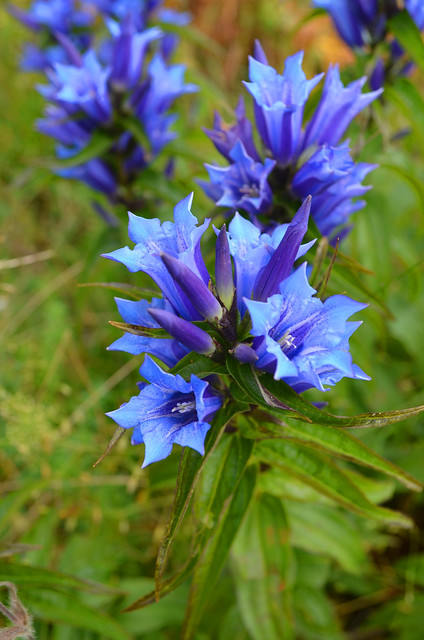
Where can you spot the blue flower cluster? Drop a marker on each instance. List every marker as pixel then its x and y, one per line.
pixel 74 20
pixel 363 24
pixel 125 104
pixel 298 159
pixel 257 309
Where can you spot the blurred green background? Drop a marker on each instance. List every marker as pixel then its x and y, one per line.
pixel 88 525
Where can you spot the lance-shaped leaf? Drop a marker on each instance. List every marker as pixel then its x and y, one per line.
pixel 262 568
pixel 99 144
pixel 322 474
pixel 409 36
pixel 267 392
pixel 214 555
pixel 332 440
pixel 198 364
pixel 190 468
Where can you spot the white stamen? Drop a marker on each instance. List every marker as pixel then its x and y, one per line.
pixel 184 407
pixel 287 340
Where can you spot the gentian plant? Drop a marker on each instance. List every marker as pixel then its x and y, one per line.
pixel 296 158
pixel 113 120
pixel 237 345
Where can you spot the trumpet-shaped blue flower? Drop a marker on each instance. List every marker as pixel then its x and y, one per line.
pixel 244 183
pixel 225 137
pixel 302 340
pixel 306 157
pixel 279 102
pixel 357 21
pixel 168 410
pixel 179 239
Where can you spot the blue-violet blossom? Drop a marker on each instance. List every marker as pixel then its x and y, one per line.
pixel 298 159
pixel 293 335
pixel 168 410
pixel 88 98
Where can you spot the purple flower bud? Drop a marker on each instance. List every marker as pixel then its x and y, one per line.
pixel 223 269
pixel 185 332
pixel 244 353
pixel 281 264
pixel 193 287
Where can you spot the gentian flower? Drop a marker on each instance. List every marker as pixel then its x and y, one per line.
pixel 244 182
pixel 89 98
pixel 52 18
pixel 302 340
pixel 168 410
pixel 362 24
pixel 301 158
pixel 293 335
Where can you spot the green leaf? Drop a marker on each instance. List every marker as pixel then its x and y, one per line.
pixel 98 145
pixel 407 33
pixel 406 97
pixel 64 608
pixel 198 364
pixel 335 441
pixel 38 577
pixel 272 394
pixel 192 464
pixel 213 556
pixel 262 567
pixel 322 474
pixel 248 380
pixel 220 475
pixel 321 529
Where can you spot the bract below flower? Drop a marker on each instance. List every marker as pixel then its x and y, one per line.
pixel 168 410
pixel 137 313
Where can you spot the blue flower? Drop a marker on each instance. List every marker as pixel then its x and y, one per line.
pixel 225 137
pixel 279 102
pixel 288 332
pixel 363 24
pixel 307 160
pixel 356 20
pixel 244 183
pixel 337 107
pixel 252 251
pixel 333 179
pixel 179 239
pixel 302 340
pixel 84 86
pixel 52 18
pixel 168 410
